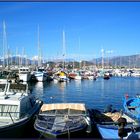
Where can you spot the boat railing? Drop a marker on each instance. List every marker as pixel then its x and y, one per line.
pixel 64 118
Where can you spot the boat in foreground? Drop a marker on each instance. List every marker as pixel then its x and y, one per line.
pixel 63 120
pixel 115 125
pixel 17 109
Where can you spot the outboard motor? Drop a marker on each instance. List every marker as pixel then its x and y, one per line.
pixel 122 132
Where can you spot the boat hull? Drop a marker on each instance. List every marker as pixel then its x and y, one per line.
pixel 41 78
pixel 22 128
pixel 72 134
pixel 25 77
pixel 63 120
pixel 108 132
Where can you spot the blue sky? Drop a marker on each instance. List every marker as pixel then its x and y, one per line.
pixel 89 27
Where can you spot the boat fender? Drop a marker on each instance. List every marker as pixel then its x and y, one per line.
pixel 126 96
pixel 87 120
pixel 89 128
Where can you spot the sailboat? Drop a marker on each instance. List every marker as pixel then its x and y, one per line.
pixel 61 76
pixel 40 73
pixel 77 72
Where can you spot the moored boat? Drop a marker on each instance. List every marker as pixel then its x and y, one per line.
pixel 106 76
pixel 63 120
pixel 132 106
pixel 60 76
pixel 40 75
pixel 116 125
pixel 24 74
pixel 17 109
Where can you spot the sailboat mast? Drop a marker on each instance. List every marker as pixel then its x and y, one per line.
pixel 64 49
pixel 17 56
pixel 102 51
pixel 4 44
pixel 39 51
pixel 79 53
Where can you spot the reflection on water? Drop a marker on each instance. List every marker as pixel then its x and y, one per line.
pixel 78 83
pixel 62 86
pixel 39 88
pixel 95 94
pixel 78 86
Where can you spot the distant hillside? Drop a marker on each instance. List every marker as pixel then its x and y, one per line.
pixel 129 61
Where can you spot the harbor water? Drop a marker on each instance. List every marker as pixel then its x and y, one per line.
pixel 95 94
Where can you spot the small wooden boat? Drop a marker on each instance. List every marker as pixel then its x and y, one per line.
pixel 115 125
pixel 132 107
pixel 17 109
pixel 63 120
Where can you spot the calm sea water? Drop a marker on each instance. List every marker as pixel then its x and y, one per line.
pixel 95 94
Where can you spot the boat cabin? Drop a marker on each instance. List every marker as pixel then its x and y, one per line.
pixel 24 70
pixel 14 102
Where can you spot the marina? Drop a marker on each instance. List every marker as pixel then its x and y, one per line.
pixel 66 103
pixel 70 70
pixel 96 94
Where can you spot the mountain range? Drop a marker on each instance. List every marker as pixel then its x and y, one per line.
pixel 123 61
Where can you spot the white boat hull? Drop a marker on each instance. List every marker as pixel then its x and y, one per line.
pixel 25 77
pixel 78 78
pixel 40 76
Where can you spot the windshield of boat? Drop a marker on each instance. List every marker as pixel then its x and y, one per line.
pixel 17 87
pixel 2 87
pixel 9 110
